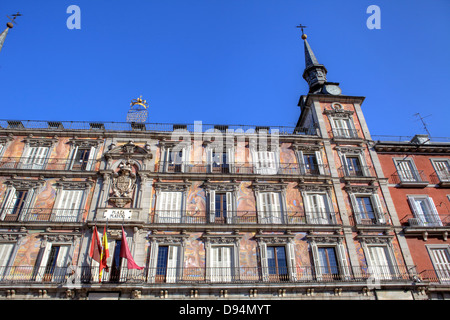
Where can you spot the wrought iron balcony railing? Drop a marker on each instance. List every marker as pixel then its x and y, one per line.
pixel 243 168
pixel 436 276
pixel 101 126
pixel 45 164
pixel 410 177
pixel 442 220
pixel 441 177
pixel 346 133
pixel 307 274
pixel 42 215
pixel 241 217
pixel 360 171
pixel 371 218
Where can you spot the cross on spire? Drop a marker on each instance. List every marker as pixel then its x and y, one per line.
pixel 301 27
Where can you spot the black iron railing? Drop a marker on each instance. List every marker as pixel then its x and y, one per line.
pixel 241 217
pixel 15 214
pixel 25 163
pixel 101 126
pixel 72 275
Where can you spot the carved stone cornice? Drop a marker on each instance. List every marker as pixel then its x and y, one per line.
pixel 374 239
pixel 270 238
pixel 85 143
pixel 349 150
pixel 325 238
pixel 298 146
pixel 313 187
pixel 12 236
pixel 222 238
pixel 172 186
pixel 220 186
pixel 268 186
pixel 73 184
pixel 168 238
pixel 40 142
pixel 360 188
pixel 24 184
pixel 128 150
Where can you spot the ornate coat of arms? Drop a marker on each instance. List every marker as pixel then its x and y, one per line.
pixel 124 183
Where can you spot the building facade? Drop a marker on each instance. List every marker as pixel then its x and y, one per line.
pixel 209 211
pixel 418 173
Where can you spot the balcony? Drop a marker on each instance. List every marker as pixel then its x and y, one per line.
pixel 441 178
pixel 371 219
pixel 39 215
pixel 410 178
pixel 243 169
pixel 356 173
pixel 242 217
pixel 427 225
pixel 200 275
pixel 30 125
pixel 436 276
pixel 345 133
pixel 22 163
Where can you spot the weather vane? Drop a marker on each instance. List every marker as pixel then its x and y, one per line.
pixel 302 27
pixel 12 20
pixel 138 110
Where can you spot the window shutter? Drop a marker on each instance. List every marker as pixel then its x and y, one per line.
pixel 307 207
pixel 291 258
pixel 264 264
pixel 379 209
pixel 275 209
pixel 230 159
pixel 172 264
pixel 209 159
pixel 152 262
pixel 436 218
pixel 317 264
pixel 72 157
pixel 301 162
pixel 5 257
pixel 320 163
pixel 417 213
pixel 356 209
pixel 9 202
pixel 262 207
pixel 230 209
pixel 27 204
pixel 343 261
pixel 91 160
pixel 212 206
pixel 43 262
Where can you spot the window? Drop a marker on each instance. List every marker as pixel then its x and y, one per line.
pixel 221 207
pixel 380 262
pixel 17 205
pixel 69 206
pixel 175 159
pixel 330 261
pixel 343 128
pixel 83 160
pixel 311 163
pixel 34 158
pixel 277 264
pixel 328 265
pixel 317 208
pixel 219 161
pixel 265 162
pixel 221 263
pixel 166 264
pixel 441 262
pixel 54 263
pixel 270 211
pixel 424 210
pixel 365 208
pixel 407 171
pixel 442 168
pixel 6 250
pixel 169 207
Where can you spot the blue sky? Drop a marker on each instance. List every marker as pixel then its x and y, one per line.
pixel 225 62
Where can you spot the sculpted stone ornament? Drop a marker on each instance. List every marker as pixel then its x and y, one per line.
pixel 124 183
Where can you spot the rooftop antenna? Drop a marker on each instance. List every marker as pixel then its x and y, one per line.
pixel 423 122
pixel 15 15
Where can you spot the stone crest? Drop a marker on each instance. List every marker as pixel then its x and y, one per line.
pixel 124 182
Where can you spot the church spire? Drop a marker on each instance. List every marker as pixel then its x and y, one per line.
pixel 9 25
pixel 315 73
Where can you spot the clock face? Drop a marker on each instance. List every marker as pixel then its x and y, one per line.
pixel 332 89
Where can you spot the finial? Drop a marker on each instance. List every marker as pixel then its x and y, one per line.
pixel 304 36
pixel 10 24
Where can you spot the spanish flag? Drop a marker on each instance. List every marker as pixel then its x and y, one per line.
pixel 104 255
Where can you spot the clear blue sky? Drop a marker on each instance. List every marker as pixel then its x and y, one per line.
pixel 225 61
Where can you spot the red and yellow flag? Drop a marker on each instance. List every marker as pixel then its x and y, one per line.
pixel 104 255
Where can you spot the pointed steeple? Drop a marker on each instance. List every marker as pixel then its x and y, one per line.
pixel 3 36
pixel 9 25
pixel 315 73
